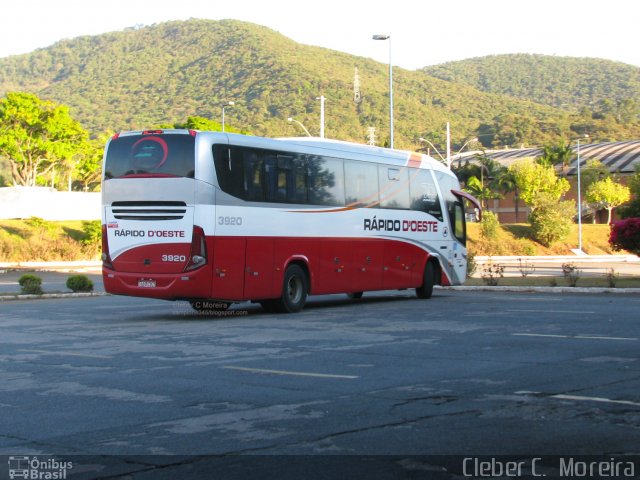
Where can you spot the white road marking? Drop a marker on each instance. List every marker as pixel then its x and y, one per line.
pixel 550 311
pixel 285 372
pixel 69 354
pixel 581 337
pixel 580 398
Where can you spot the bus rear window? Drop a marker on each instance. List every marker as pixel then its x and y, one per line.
pixel 169 155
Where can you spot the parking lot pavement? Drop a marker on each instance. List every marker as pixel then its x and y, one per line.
pixel 465 373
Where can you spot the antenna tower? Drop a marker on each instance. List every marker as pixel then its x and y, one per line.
pixel 372 136
pixel 356 87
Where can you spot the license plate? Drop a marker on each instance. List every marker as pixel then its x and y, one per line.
pixel 147 283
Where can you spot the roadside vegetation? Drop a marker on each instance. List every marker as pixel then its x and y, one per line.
pixel 40 240
pixel 518 240
pixel 36 240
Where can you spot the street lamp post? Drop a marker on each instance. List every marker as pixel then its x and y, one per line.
pixel 388 37
pixel 321 98
pixel 444 160
pixel 465 144
pixel 579 200
pixel 228 104
pixel 303 127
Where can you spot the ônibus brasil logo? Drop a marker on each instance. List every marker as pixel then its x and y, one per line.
pixel 38 469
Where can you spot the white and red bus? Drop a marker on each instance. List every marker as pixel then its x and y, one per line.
pixel 216 218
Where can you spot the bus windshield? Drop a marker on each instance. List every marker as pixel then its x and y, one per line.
pixel 150 155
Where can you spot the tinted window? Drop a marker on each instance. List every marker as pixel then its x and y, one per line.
pixel 394 187
pixel 455 208
pixel 458 225
pixel 361 183
pixel 151 155
pixel 424 196
pixel 325 180
pixel 258 175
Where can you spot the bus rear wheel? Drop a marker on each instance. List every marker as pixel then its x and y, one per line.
pixel 294 290
pixel 429 279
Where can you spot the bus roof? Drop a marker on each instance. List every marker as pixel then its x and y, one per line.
pixel 330 146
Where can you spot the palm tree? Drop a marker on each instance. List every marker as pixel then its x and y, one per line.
pixel 492 182
pixel 556 155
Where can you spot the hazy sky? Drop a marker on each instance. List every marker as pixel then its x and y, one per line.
pixel 424 32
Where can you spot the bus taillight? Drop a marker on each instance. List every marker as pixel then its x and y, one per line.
pixel 198 256
pixel 106 258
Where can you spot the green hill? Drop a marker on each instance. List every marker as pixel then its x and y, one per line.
pixel 565 82
pixel 161 74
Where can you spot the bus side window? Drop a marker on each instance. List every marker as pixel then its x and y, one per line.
pixel 361 183
pixel 424 196
pixel 253 176
pixel 228 163
pixel 394 187
pixel 459 227
pixel 325 180
pixel 285 177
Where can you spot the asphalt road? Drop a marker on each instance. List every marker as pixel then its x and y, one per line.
pixel 131 383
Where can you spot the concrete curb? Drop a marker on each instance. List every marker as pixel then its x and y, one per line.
pixel 559 258
pixel 499 288
pixel 44 296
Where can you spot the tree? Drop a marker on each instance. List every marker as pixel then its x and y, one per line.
pixel 607 194
pixel 201 123
pixel 485 180
pixel 534 179
pixel 625 235
pixel 87 163
pixel 556 155
pixel 551 219
pixel 36 135
pixel 632 209
pixel 593 171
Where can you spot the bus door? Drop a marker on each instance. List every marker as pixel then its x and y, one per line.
pixel 458 250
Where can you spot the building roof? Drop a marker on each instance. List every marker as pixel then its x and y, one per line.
pixel 619 157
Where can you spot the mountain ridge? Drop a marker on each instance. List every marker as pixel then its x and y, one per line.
pixel 163 73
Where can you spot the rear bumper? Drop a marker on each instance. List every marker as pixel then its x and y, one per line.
pixel 169 286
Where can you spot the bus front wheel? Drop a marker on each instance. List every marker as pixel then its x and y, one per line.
pixel 426 289
pixel 294 290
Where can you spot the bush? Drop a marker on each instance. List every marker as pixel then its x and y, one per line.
pixel 489 225
pixel 551 220
pixel 30 284
pixel 625 235
pixel 41 225
pixel 471 264
pixel 79 283
pixel 92 230
pixel 492 273
pixel 571 273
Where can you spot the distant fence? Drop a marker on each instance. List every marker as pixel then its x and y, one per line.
pixel 48 203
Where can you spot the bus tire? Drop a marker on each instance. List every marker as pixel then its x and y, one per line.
pixel 204 305
pixel 428 280
pixel 294 290
pixel 355 295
